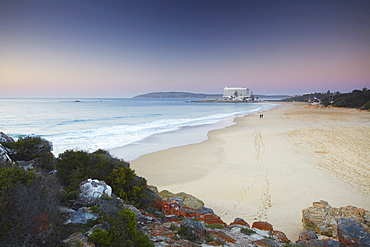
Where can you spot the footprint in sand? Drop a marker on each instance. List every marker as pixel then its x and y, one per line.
pixel 265 196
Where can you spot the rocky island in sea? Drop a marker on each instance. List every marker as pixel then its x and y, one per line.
pixel 49 201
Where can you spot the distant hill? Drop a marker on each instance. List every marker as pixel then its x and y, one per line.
pixel 186 95
pixel 178 95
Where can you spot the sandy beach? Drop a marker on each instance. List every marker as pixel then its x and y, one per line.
pixel 271 168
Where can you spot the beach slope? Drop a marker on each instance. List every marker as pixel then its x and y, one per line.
pixel 271 168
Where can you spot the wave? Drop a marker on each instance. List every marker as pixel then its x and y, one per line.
pixel 120 135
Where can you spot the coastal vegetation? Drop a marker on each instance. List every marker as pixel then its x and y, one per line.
pixel 30 198
pixel 356 99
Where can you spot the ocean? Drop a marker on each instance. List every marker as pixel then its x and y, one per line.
pixel 138 125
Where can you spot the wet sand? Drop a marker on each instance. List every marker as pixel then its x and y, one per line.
pixel 271 168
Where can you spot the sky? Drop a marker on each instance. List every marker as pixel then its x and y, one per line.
pixel 122 48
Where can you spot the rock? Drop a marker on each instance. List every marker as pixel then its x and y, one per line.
pixel 174 206
pixel 351 233
pixel 82 215
pixel 187 199
pixel 224 236
pixel 160 232
pixel 262 226
pixel 92 189
pixel 29 164
pixel 78 239
pixel 211 219
pixel 5 138
pixel 311 239
pixel 240 221
pixel 322 218
pixel 307 235
pixel 266 242
pixel 194 230
pixel 280 236
pixel 318 243
pixel 4 157
pixel 153 188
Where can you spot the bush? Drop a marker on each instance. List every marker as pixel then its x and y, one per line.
pixel 247 231
pixel 76 166
pixel 30 148
pixel 11 176
pixel 188 234
pixel 366 106
pixel 28 208
pixel 216 226
pixel 122 231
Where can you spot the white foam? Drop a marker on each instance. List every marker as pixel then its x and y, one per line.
pixel 112 137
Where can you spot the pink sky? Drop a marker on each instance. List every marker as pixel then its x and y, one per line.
pixel 96 49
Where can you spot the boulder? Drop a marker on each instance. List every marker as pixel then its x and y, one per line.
pixel 4 157
pixel 322 218
pixel 173 207
pixel 262 226
pixel 351 233
pixel 240 221
pixel 187 199
pixel 307 235
pixel 93 189
pixel 280 236
pixel 211 219
pixel 82 215
pixel 266 242
pixel 318 243
pixel 176 207
pixel 5 138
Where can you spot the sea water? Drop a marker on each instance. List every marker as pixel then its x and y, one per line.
pixel 138 125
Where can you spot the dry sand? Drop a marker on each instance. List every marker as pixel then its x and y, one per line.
pixel 270 169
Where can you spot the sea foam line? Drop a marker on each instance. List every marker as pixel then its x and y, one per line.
pixel 121 135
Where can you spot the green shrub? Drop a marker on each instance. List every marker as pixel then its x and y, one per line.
pixel 366 106
pixel 11 176
pixel 247 231
pixel 216 226
pixel 122 231
pixel 76 166
pixel 101 238
pixel 187 233
pixel 208 238
pixel 30 148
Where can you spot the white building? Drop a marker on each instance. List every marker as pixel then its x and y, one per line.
pixel 238 94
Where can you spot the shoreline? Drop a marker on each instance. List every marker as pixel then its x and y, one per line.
pixel 181 137
pixel 270 169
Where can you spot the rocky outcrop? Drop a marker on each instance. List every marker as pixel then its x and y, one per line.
pixel 322 218
pixel 308 239
pixel 5 138
pixel 4 157
pixel 93 189
pixel 82 216
pixel 351 233
pixel 187 199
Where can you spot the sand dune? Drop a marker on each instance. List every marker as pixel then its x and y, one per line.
pixel 273 167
